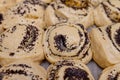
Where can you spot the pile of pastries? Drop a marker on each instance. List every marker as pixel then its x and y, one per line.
pixel 67 33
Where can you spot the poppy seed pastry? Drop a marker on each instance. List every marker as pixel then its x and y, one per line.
pixel 67 41
pixel 22 41
pixel 69 70
pixel 24 70
pixel 107 12
pixel 7 4
pixel 73 11
pixel 111 73
pixel 105 44
pixel 30 11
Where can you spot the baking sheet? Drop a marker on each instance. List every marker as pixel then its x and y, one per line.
pixel 95 69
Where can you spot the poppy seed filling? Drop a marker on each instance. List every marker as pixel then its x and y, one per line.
pixel 29 39
pixel 75 74
pixel 117 37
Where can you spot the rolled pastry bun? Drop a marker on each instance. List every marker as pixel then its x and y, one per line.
pixel 7 4
pixel 107 12
pixel 111 73
pixel 67 41
pixel 69 70
pixel 24 70
pixel 31 11
pixel 22 41
pixel 73 11
pixel 105 44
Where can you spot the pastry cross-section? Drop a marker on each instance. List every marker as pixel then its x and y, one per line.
pixel 21 41
pixel 24 70
pixel 67 41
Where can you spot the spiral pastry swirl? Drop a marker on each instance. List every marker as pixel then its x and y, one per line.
pixel 24 70
pixel 21 41
pixel 107 12
pixel 69 70
pixel 111 73
pixel 105 43
pixel 73 11
pixel 67 41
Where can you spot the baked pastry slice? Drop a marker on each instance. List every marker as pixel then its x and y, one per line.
pixel 111 73
pixel 30 11
pixel 73 11
pixel 69 70
pixel 24 70
pixel 107 12
pixel 105 44
pixel 67 41
pixel 22 41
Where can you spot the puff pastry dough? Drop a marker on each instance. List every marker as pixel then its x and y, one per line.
pixel 105 43
pixel 111 73
pixel 24 70
pixel 69 70
pixel 22 41
pixel 67 41
pixel 73 11
pixel 107 12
